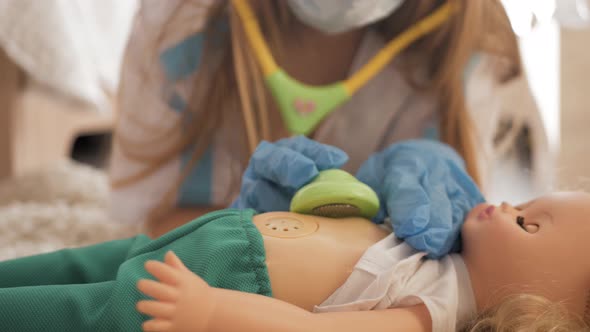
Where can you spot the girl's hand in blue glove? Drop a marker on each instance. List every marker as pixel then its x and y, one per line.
pixel 277 170
pixel 424 189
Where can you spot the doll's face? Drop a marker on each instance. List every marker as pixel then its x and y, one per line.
pixel 541 247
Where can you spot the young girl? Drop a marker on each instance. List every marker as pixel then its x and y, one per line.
pixel 193 102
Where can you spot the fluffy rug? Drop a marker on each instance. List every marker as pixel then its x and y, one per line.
pixel 65 206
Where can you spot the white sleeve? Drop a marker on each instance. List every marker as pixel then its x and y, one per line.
pixel 436 284
pixel 144 115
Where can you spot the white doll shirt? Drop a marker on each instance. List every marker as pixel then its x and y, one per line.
pixel 393 274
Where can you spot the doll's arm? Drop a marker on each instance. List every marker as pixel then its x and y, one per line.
pixel 184 302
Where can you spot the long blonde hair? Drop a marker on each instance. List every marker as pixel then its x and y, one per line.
pixel 527 313
pixel 230 81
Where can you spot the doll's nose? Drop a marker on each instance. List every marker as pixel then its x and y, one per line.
pixel 507 208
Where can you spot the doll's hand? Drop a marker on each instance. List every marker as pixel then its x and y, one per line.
pixel 182 300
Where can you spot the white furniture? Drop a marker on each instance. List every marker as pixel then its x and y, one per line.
pixel 59 71
pixel 38 126
pixel 540 48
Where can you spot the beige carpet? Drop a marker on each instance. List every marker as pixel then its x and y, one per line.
pixel 65 206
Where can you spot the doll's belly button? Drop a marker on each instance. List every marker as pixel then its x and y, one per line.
pixel 286 227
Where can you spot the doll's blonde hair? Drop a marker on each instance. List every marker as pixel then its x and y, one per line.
pixel 528 313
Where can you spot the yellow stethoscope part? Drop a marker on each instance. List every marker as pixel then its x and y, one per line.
pixel 395 46
pixel 303 106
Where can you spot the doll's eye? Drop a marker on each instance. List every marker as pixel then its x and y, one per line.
pixel 530 228
pixel 520 221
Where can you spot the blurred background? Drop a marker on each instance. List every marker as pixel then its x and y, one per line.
pixel 554 36
pixel 59 73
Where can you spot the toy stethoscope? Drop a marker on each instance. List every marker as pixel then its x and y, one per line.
pixel 303 106
pixel 334 193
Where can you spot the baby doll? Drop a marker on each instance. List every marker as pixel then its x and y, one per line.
pixel 267 272
pixel 246 272
pixel 420 179
pixel 538 248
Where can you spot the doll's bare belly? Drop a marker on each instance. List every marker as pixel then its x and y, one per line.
pixel 309 257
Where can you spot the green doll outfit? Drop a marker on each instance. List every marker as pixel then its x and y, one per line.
pixel 94 288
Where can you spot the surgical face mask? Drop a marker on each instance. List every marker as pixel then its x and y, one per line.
pixel 336 16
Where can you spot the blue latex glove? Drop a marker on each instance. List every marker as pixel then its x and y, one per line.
pixel 423 187
pixel 277 170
